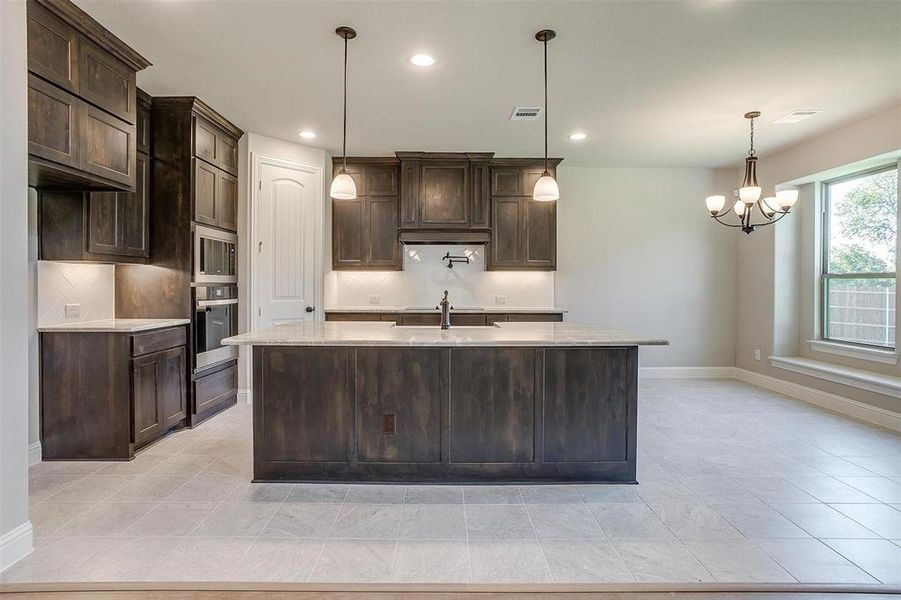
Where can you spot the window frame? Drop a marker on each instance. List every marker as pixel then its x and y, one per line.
pixel 826 276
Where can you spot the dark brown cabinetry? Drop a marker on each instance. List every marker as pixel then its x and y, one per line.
pixel 364 230
pixel 82 101
pixel 103 395
pixel 442 197
pixel 523 231
pixel 98 226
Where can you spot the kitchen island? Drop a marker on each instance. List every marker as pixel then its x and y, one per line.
pixel 349 401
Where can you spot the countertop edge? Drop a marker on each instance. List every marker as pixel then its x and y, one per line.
pixel 86 327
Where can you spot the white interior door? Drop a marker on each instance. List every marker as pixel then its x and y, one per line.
pixel 289 226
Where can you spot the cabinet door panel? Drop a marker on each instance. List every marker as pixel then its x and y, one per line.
pixel 347 233
pixel 398 403
pixel 505 248
pixel 173 403
pixel 205 140
pixel 105 81
pixel 380 181
pixel 148 420
pixel 142 130
pixel 540 249
pixel 481 195
pixel 136 212
pixel 52 123
pixel 409 194
pixel 52 47
pixel 104 223
pixel 227 152
pixel 205 191
pixel 586 405
pixel 108 146
pixel 227 201
pixel 382 248
pixel 444 195
pixel 506 182
pixel 492 412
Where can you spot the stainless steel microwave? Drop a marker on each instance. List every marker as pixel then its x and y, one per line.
pixel 215 255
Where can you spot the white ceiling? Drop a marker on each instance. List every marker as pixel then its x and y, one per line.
pixel 651 83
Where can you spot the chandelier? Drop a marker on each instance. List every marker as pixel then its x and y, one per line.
pixel 771 208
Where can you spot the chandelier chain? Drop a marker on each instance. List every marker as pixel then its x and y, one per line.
pixel 751 150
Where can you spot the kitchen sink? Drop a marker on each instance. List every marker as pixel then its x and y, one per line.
pixel 452 327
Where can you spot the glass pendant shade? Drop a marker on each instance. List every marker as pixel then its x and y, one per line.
pixel 739 208
pixel 750 194
pixel 546 189
pixel 343 187
pixel 715 204
pixel 769 206
pixel 786 198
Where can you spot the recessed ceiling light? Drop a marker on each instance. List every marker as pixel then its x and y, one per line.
pixel 423 60
pixel 578 136
pixel 308 135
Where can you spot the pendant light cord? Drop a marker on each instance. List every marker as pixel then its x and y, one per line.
pixel 344 140
pixel 751 151
pixel 545 107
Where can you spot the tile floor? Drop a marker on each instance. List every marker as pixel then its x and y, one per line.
pixel 737 484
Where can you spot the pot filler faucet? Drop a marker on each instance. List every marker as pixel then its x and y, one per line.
pixel 445 307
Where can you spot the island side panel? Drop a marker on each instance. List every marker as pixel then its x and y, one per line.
pixel 590 413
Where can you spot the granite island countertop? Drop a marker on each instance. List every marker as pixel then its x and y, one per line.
pixel 377 308
pixel 112 325
pixel 350 333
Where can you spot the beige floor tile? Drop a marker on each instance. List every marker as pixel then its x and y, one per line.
pixel 93 488
pixel 433 522
pixel 431 561
pixel 491 494
pixel 881 488
pixel 128 559
pixel 694 521
pixel 315 492
pixel 375 494
pixel 629 520
pixel 176 518
pixel 278 560
pixel 879 558
pixel 47 517
pixel 55 560
pixel 508 561
pixel 563 521
pixel 205 488
pixel 368 521
pixel 584 561
pixel 302 520
pixel 811 561
pixel 236 519
pixel 661 560
pixel 106 519
pixel 355 561
pixel 434 494
pixel 822 521
pixel 150 488
pixel 497 522
pixel 737 560
pixel 203 559
pixel 881 519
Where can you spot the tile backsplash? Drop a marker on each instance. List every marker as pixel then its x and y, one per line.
pixel 92 286
pixel 426 276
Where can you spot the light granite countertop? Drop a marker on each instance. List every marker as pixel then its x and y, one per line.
pixel 349 333
pixel 376 308
pixel 112 325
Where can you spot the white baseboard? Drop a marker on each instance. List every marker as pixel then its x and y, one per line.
pixel 34 453
pixel 245 396
pixel 15 545
pixel 840 404
pixel 686 372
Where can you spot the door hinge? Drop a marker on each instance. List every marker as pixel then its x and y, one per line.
pixel 260 247
pixel 260 311
pixel 261 184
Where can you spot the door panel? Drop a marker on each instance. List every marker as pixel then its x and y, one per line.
pixel 104 224
pixel 205 140
pixel 105 81
pixel 53 121
pixel 492 413
pixel 205 191
pixel 173 403
pixel 444 194
pixel 289 224
pixel 347 233
pixel 136 212
pixel 505 248
pixel 52 47
pixel 541 234
pixel 148 421
pixel 382 248
pixel 108 146
pixel 227 201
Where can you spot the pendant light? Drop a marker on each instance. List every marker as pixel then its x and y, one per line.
pixel 546 189
pixel 343 186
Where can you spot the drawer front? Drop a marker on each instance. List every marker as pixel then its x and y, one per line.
pixel 467 319
pixel 345 316
pixel 209 390
pixel 534 317
pixel 420 319
pixel 154 341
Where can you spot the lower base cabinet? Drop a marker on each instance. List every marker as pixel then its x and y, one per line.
pixel 214 390
pixel 104 395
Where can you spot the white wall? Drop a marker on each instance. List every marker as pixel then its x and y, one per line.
pixel 426 276
pixel 249 146
pixel 637 250
pixel 15 528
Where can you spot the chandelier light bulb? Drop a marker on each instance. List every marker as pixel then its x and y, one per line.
pixel 739 208
pixel 715 204
pixel 787 198
pixel 768 206
pixel 750 194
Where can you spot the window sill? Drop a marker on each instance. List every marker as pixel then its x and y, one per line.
pixel 855 378
pixel 886 357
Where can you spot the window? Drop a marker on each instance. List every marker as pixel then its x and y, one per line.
pixel 859 234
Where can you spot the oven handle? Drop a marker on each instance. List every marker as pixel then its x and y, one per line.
pixel 203 303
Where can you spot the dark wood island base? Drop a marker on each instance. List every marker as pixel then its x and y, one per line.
pixel 445 414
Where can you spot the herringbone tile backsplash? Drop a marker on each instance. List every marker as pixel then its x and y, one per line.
pixel 91 285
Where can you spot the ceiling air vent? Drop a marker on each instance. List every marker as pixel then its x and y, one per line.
pixel 526 113
pixel 796 117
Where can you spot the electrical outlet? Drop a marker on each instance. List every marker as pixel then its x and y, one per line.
pixel 375 299
pixel 73 311
pixel 500 299
pixel 756 353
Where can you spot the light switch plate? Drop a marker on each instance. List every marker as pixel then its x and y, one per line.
pixel 756 353
pixel 375 299
pixel 73 311
pixel 500 299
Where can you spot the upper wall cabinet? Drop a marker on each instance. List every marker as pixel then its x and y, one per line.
pixel 82 101
pixel 364 230
pixel 197 152
pixel 443 197
pixel 523 231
